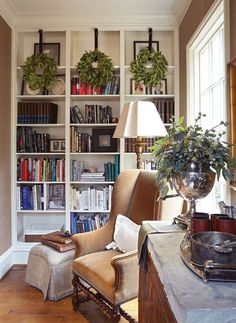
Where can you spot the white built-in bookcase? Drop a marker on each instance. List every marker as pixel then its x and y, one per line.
pixel 118 44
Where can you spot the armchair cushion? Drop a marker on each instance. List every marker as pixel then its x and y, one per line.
pixel 107 272
pixel 96 269
pixel 125 234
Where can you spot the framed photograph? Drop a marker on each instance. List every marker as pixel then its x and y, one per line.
pixel 52 49
pixel 162 89
pixel 137 88
pixel 139 44
pixel 103 141
pixel 57 145
pixel 59 87
pixel 56 198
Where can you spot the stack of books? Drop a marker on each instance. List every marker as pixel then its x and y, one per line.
pixel 58 240
pixel 92 177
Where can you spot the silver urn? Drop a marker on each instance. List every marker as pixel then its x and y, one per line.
pixel 194 184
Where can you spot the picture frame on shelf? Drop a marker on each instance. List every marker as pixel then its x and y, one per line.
pixel 139 44
pixel 52 49
pixel 59 86
pixel 137 88
pixel 158 90
pixel 56 199
pixel 57 145
pixel 27 90
pixel 103 141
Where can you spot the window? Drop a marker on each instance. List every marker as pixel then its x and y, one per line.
pixel 207 88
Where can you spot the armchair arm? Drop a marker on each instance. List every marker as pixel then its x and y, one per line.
pixel 126 275
pixel 93 241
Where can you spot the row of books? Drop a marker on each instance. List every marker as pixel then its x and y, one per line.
pixel 147 142
pixel 91 113
pixel 166 108
pixel 112 87
pixel 112 170
pixel 34 197
pixel 110 173
pixel 30 197
pixel 85 223
pixel 29 141
pixel 37 112
pixel 91 198
pixel 80 141
pixel 41 169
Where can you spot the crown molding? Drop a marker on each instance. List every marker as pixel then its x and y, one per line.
pixel 73 21
pixel 180 8
pixel 8 12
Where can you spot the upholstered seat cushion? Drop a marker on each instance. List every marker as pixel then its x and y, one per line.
pixel 96 269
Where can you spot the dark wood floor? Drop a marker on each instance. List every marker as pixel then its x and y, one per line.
pixel 21 303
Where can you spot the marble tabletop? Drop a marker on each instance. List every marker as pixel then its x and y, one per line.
pixel 191 300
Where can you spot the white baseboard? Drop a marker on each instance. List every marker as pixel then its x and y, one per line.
pixel 6 261
pixel 17 255
pixel 21 252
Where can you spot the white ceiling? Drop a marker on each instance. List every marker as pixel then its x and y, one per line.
pixel 70 10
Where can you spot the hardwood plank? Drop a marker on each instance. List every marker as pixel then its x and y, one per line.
pixel 22 303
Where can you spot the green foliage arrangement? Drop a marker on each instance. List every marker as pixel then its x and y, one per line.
pixel 149 75
pixel 39 71
pixel 184 145
pixel 95 68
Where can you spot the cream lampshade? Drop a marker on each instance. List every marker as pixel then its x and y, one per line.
pixel 139 119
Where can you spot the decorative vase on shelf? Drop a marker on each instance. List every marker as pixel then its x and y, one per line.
pixel 194 184
pixel 31 91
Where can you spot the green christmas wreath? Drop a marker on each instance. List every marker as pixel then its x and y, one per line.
pixel 95 68
pixel 39 71
pixel 150 75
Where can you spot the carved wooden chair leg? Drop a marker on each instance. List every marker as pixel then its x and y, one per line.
pixel 76 299
pixel 127 316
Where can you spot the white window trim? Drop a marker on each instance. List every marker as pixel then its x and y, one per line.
pixel 215 19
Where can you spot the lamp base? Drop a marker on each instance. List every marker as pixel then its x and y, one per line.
pixel 139 151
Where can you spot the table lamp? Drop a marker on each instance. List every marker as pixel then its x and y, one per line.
pixel 139 119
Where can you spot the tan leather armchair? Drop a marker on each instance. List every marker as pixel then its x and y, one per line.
pixel 113 275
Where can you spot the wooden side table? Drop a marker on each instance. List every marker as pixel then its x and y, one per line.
pixel 170 292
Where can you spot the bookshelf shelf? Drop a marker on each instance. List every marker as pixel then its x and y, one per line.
pixel 41 211
pixel 97 154
pixel 92 183
pixel 111 97
pixel 94 125
pixel 118 44
pixel 41 154
pixel 41 97
pixel 90 211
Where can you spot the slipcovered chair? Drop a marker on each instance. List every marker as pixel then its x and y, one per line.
pixel 113 274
